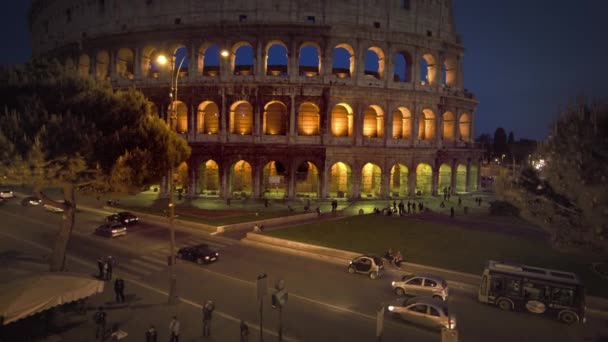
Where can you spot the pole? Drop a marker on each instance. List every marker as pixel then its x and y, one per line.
pixel 280 323
pixel 262 320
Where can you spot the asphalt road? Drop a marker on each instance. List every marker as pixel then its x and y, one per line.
pixel 325 302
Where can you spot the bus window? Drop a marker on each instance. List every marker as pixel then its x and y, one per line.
pixel 562 296
pixel 514 287
pixel 497 285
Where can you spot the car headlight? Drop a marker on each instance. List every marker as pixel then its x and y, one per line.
pixel 393 283
pixel 451 323
pixel 391 308
pixel 206 258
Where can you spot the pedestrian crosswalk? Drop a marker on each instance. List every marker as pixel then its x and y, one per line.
pixel 156 260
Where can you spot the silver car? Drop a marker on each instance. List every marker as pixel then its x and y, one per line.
pixel 111 229
pixel 425 311
pixel 366 264
pixel 422 284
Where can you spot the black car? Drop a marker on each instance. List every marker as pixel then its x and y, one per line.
pixel 367 264
pixel 31 200
pixel 123 217
pixel 201 254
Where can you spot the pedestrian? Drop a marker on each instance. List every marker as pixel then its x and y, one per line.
pixel 119 289
pixel 244 332
pixel 442 205
pixel 420 206
pixel 401 208
pixel 151 334
pixel 105 270
pixel 398 259
pixel 174 329
pixel 452 212
pixel 207 315
pixel 459 201
pixel 480 201
pixel 409 207
pixel 99 317
pixel 394 205
pixel 110 263
pixel 100 266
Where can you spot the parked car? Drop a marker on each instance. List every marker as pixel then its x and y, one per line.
pixel 111 229
pixel 425 311
pixel 367 264
pixel 201 254
pixel 123 217
pixel 6 193
pixel 422 284
pixel 52 208
pixel 31 201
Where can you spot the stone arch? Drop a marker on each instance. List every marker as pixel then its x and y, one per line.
pixel 309 119
pixel 464 126
pixel 424 179
pixel 399 180
pixel 274 180
pixel 208 118
pixel 180 59
pixel 242 54
pixel 426 125
pixel 209 178
pixel 461 178
pixel 149 63
pixel 102 65
pixel 403 67
pixel 125 63
pixel 445 177
pixel 428 69
pixel 241 179
pixel 84 65
pixel 181 116
pixel 340 180
pixel 374 62
pixel 472 175
pixel 373 122
pixel 449 123
pixel 276 58
pixel 371 179
pixel 343 64
pixel 402 123
pixel 208 60
pixel 450 71
pixel 275 121
pixel 307 180
pixel 241 118
pixel 309 61
pixel 342 120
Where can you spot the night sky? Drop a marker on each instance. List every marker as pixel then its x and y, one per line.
pixel 524 59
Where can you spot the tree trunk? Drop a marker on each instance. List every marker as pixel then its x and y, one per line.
pixel 57 259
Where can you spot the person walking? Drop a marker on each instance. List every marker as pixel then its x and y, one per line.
pixel 174 329
pixel 100 266
pixel 244 332
pixel 207 315
pixel 452 212
pixel 110 263
pixel 99 317
pixel 151 334
pixel 119 289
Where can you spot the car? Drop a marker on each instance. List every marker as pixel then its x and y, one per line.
pixel 422 284
pixel 53 208
pixel 367 264
pixel 425 311
pixel 31 201
pixel 6 193
pixel 201 254
pixel 112 229
pixel 123 217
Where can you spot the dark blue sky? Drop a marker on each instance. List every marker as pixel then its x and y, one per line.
pixel 524 59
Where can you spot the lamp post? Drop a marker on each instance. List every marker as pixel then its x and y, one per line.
pixel 162 60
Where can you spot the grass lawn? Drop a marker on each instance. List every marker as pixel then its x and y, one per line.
pixel 442 245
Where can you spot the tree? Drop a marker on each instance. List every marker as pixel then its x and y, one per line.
pixel 499 146
pixel 569 196
pixel 511 139
pixel 58 129
pixel 486 142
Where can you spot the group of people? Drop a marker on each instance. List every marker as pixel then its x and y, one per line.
pixel 395 259
pixel 105 266
pixel 400 208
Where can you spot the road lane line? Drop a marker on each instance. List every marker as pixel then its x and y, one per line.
pixel 134 268
pixel 146 265
pixel 159 261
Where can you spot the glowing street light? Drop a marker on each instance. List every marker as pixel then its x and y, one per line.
pixel 225 53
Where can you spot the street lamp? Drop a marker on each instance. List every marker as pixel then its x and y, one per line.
pixel 163 60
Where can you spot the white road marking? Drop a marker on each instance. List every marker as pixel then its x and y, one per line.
pixel 146 265
pixel 159 261
pixel 134 268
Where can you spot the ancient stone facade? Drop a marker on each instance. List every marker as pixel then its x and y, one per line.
pixel 392 120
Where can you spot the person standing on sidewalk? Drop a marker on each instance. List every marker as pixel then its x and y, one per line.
pixel 244 332
pixel 151 334
pixel 100 323
pixel 119 289
pixel 110 263
pixel 174 329
pixel 207 315
pixel 100 266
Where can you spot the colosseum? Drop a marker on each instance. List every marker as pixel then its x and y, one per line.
pixel 287 98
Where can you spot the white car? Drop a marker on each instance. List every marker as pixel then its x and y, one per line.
pixel 425 311
pixel 52 208
pixel 421 284
pixel 6 194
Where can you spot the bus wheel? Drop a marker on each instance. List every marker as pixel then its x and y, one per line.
pixel 505 304
pixel 568 317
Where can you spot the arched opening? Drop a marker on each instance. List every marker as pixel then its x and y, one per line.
pixel 403 67
pixel 274 180
pixel 208 118
pixel 307 180
pixel 399 180
pixel 449 72
pixel 180 60
pixel 374 62
pixel 461 178
pixel 149 62
pixel 181 177
pixel 445 177
pixel 342 121
pixel 426 125
pixel 241 179
pixel 102 65
pixel 209 178
pixel 125 63
pixel 428 69
pixel 209 60
pixel 449 124
pixel 339 180
pixel 424 179
pixel 276 59
pixel 181 116
pixel 275 119
pixel 309 119
pixel 343 64
pixel 373 122
pixel 371 176
pixel 473 177
pixel 84 66
pixel 241 118
pixel 464 124
pixel 242 59
pixel 309 62
pixel 402 123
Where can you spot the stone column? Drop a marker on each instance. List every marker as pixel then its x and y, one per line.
pixel 193 71
pixel 388 123
pixel 468 179
pixel 411 180
pixel 137 75
pixel 439 74
pixel 453 176
pixel 435 179
pixel 355 182
pixel 224 180
pixel 193 178
pixel 259 67
pixel 324 177
pixel 291 182
pixel 358 124
pixel 415 119
pixel 478 175
pixel 292 59
pixel 257 179
pixel 389 67
pixel 292 117
pixel 385 185
pixel 112 68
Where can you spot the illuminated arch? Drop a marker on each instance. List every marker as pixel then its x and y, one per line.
pixel 473 177
pixel 426 125
pixel 209 178
pixel 373 122
pixel 371 176
pixel 464 125
pixel 309 61
pixel 84 66
pixel 445 177
pixel 241 118
pixel 149 64
pixel 276 58
pixel 402 123
pixel 461 178
pixel 275 120
pixel 309 119
pixel 343 68
pixel 340 180
pixel 125 63
pixel 102 65
pixel 375 60
pixel 181 116
pixel 274 180
pixel 399 180
pixel 449 124
pixel 208 118
pixel 450 71
pixel 424 179
pixel 428 69
pixel 241 179
pixel 403 67
pixel 342 120
pixel 208 60
pixel 241 56
pixel 307 180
